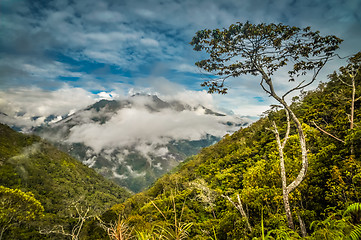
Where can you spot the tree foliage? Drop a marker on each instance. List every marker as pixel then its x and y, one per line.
pixel 16 207
pixel 262 49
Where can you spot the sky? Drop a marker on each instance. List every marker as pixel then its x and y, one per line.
pixel 58 56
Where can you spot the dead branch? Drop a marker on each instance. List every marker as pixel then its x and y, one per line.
pixel 300 86
pixel 239 207
pixel 329 134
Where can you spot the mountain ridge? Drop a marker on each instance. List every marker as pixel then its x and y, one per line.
pixel 146 136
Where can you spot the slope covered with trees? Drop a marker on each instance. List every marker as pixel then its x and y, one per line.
pixel 34 172
pixel 206 195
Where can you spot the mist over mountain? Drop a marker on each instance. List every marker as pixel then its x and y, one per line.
pixel 134 141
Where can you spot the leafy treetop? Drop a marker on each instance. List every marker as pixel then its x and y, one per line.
pixel 353 67
pixel 17 206
pixel 262 49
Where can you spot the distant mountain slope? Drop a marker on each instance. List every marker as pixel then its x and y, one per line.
pixel 136 140
pixel 57 180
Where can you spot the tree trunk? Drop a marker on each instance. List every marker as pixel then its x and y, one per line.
pixel 352 112
pixel 302 139
pixel 302 225
pixel 287 209
pixel 243 213
pixel 285 192
pixel 239 207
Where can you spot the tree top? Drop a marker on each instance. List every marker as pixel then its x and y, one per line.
pixel 261 49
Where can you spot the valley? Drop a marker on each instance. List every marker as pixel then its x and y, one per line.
pixel 137 140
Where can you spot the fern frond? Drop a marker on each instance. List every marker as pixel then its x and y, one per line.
pixel 356 233
pixel 353 208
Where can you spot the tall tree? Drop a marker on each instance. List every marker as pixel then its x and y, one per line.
pixel 16 207
pixel 263 50
pixel 349 75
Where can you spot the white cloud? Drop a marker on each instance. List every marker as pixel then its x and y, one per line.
pixel 145 13
pixel 50 70
pixel 108 95
pixel 139 126
pixel 187 68
pixel 160 85
pixel 105 16
pixel 149 42
pixel 193 98
pixel 251 110
pixel 23 104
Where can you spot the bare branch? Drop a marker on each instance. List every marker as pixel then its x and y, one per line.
pixel 285 192
pixel 239 207
pixel 288 129
pixel 300 86
pixel 350 85
pixel 327 132
pixel 75 231
pixel 294 89
pixel 264 87
pixel 58 229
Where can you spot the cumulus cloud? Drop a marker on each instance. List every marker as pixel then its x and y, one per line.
pixel 135 125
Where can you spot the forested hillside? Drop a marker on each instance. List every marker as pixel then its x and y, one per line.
pixel 45 190
pixel 201 197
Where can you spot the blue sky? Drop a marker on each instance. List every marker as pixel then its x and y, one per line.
pixel 58 56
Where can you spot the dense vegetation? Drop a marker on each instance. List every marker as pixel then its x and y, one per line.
pixel 246 164
pixel 42 178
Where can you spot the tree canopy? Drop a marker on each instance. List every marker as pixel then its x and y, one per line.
pixel 17 206
pixel 262 49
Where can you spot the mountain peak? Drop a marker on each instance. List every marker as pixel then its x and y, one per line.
pixel 133 141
